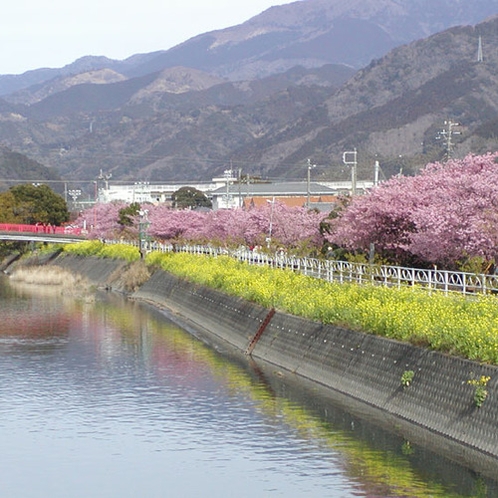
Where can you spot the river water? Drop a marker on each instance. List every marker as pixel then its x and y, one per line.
pixel 107 398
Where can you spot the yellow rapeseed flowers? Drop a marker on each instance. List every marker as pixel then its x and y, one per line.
pixel 456 324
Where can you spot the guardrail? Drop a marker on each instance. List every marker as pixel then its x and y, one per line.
pixel 330 270
pixel 48 229
pixel 343 271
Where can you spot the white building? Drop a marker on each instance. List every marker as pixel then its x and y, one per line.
pixel 225 192
pixel 142 192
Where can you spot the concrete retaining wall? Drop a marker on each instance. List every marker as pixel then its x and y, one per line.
pixel 99 271
pixel 231 319
pixel 365 367
pixel 369 368
pixel 362 366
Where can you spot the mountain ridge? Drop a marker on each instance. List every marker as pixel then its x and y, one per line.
pixel 186 122
pixel 282 37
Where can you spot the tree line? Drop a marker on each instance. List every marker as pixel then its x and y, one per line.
pixel 445 216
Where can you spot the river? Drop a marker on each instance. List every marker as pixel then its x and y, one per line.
pixel 107 398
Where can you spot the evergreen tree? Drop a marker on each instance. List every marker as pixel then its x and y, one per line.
pixel 31 204
pixel 189 198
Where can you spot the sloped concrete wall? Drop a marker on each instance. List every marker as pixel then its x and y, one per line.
pixel 369 368
pixel 100 271
pixel 229 318
pixel 364 367
pixel 359 365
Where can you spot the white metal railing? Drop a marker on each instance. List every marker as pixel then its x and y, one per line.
pixel 343 271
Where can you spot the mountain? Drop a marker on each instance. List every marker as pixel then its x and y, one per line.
pixel 16 168
pixel 308 33
pixel 312 33
pixel 158 121
pixel 142 120
pixel 397 109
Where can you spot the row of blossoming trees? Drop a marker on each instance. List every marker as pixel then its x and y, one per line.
pixel 446 216
pixel 293 228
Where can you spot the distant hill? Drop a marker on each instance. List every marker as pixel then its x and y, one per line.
pixel 136 124
pixel 395 109
pixel 312 33
pixel 17 168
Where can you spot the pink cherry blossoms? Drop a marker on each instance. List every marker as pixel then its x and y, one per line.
pixel 288 227
pixel 443 216
pixel 101 220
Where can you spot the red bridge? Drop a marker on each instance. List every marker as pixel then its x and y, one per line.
pixel 41 233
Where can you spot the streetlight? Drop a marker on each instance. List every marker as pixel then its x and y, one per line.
pixel 105 179
pixel 74 194
pixel 142 227
pixel 310 166
pixel 268 239
pixel 349 159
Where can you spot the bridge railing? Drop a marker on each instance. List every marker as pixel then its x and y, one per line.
pixel 20 228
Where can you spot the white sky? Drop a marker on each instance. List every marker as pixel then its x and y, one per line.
pixel 53 33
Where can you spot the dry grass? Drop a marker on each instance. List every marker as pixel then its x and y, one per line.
pixel 135 275
pixel 52 276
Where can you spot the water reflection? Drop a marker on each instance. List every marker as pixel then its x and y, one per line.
pixel 109 399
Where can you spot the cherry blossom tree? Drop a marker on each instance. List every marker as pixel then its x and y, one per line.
pixel 102 220
pixel 169 224
pixel 296 228
pixel 444 216
pixel 291 227
pixel 226 226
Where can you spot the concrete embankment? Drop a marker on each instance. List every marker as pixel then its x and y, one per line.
pixel 364 367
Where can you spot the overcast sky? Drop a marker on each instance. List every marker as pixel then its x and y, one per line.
pixel 53 33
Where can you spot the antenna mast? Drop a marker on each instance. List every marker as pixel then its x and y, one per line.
pixel 480 57
pixel 448 134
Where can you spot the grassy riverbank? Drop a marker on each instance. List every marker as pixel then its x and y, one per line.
pixel 458 325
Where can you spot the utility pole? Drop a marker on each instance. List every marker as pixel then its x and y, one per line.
pixel 376 173
pixel 448 134
pixel 227 197
pixel 310 166
pixel 268 239
pixel 371 252
pixel 240 186
pixel 349 158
